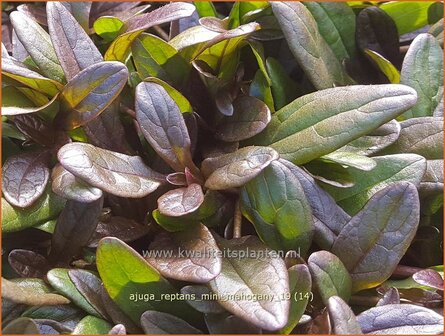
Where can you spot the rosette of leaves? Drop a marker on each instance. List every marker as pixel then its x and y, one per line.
pixel 222 168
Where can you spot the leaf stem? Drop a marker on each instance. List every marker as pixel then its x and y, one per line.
pixel 237 218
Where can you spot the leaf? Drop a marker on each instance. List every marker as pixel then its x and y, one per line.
pixel 119 49
pixel 38 44
pixel 74 228
pixel 422 70
pixel 373 242
pixel 199 295
pixel 391 297
pixel 274 201
pixel 328 217
pixel 336 24
pixel 182 102
pixel 376 31
pixel 163 125
pixel 103 169
pixel 312 52
pixel 264 278
pixel 17 110
pixel 408 16
pixel 118 329
pixel 389 169
pixel 351 160
pixel 35 128
pixel 91 325
pixel 261 90
pixel 205 8
pixel 24 178
pixel 21 326
pixel 74 49
pixel 400 319
pixel 330 173
pixel 423 136
pixel 432 181
pixel 153 57
pixel 125 229
pixel 300 284
pixel 28 264
pixel 91 91
pixel 181 201
pixel 108 27
pixel 229 324
pixel 312 126
pixel 385 66
pixel 154 322
pixel 81 12
pixel 128 279
pixel 329 276
pixel 46 208
pixel 430 278
pixel 190 255
pixel 29 296
pixel 250 117
pixel 342 317
pixel 72 188
pixel 236 169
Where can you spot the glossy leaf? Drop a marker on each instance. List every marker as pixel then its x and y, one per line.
pixel 38 44
pixel 308 46
pixel 118 329
pixel 28 264
pixel 91 91
pixel 154 322
pixel 391 296
pixel 24 178
pixel 181 201
pixel 306 129
pixel 91 325
pixel 72 188
pixel 15 110
pixel 422 69
pixel 342 317
pixel 193 255
pixel 103 169
pixel 284 88
pixel 330 173
pixel 408 16
pixel 163 125
pixel 241 275
pixel 274 201
pixel 108 27
pixel 36 129
pixel 199 301
pixel 432 181
pixel 21 326
pixel 182 102
pixel 329 276
pixel 400 319
pixel 383 231
pixel 385 66
pixel 250 117
pixel 351 160
pixel 235 169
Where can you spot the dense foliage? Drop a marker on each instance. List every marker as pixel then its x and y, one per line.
pixel 244 167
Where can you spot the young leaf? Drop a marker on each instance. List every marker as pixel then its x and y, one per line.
pixel 373 242
pixel 400 319
pixel 329 275
pixel 38 44
pixel 91 325
pixel 91 91
pixel 181 201
pixel 25 177
pixel 342 317
pixel 235 169
pixel 422 69
pixel 108 27
pixel 262 277
pixel 274 201
pixel 163 125
pixel 103 169
pixel 195 255
pixel 385 66
pixel 307 45
pixel 154 322
pixel 312 126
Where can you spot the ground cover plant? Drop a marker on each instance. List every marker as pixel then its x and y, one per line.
pixel 222 168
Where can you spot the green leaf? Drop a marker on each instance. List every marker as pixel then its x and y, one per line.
pixel 235 169
pixel 319 123
pixel 120 48
pixel 46 208
pixel 274 201
pixel 385 66
pixel 330 173
pixel 199 261
pixel 373 242
pixel 91 325
pixel 103 169
pixel 329 276
pixel 21 326
pixel 389 169
pixel 423 136
pixel 74 49
pixel 250 117
pixel 108 27
pixel 127 276
pixel 91 91
pixel 154 322
pixel 408 16
pixel 153 57
pixel 422 69
pixel 38 44
pixel 312 52
pixel 261 90
pixel 205 8
pixel 241 275
pixel 336 23
pixel 342 317
pixel 300 284
pixel 351 160
pixel 14 110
